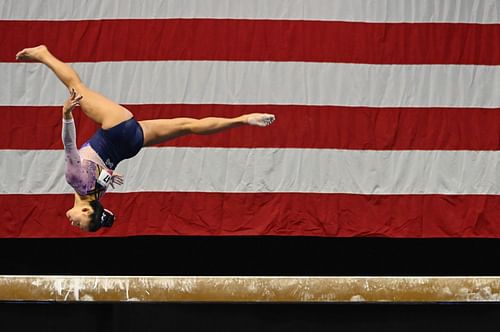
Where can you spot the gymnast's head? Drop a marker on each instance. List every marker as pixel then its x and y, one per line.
pixel 90 217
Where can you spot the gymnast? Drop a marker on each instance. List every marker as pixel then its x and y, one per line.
pixel 90 170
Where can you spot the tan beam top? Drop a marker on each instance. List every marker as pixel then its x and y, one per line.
pixel 248 289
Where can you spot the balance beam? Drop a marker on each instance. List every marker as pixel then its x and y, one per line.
pixel 248 289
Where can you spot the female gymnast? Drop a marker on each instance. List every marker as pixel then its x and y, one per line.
pixel 90 170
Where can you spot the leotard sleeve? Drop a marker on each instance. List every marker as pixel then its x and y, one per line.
pixel 76 176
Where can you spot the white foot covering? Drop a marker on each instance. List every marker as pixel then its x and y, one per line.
pixel 261 119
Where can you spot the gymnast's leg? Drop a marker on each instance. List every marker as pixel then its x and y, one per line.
pixel 157 131
pixel 97 107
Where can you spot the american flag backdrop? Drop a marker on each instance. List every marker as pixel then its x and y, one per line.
pixel 388 115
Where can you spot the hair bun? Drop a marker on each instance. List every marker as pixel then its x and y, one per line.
pixel 107 218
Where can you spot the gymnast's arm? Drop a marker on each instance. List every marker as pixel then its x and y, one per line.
pixel 72 156
pixel 73 170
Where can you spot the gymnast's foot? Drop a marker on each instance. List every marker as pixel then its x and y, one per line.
pixel 31 53
pixel 260 119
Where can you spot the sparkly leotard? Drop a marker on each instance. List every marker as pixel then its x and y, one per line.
pixel 90 170
pixel 82 167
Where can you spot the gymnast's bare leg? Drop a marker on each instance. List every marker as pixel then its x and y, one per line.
pixel 108 113
pixel 161 130
pixel 97 107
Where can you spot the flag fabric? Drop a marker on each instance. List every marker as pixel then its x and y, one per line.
pixel 388 115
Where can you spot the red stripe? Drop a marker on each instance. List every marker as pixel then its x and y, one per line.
pixel 257 40
pixel 295 127
pixel 339 215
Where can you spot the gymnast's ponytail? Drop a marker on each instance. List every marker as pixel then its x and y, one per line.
pixel 101 217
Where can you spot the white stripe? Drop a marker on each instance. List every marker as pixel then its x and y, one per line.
pixel 271 170
pixel 219 82
pixel 473 11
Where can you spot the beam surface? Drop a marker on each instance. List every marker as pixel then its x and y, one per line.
pixel 248 289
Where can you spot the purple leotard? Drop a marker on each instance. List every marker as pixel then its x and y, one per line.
pixel 90 170
pixel 81 174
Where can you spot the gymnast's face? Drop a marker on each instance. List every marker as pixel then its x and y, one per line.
pixel 80 217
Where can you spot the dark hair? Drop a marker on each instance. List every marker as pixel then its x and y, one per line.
pixel 101 217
